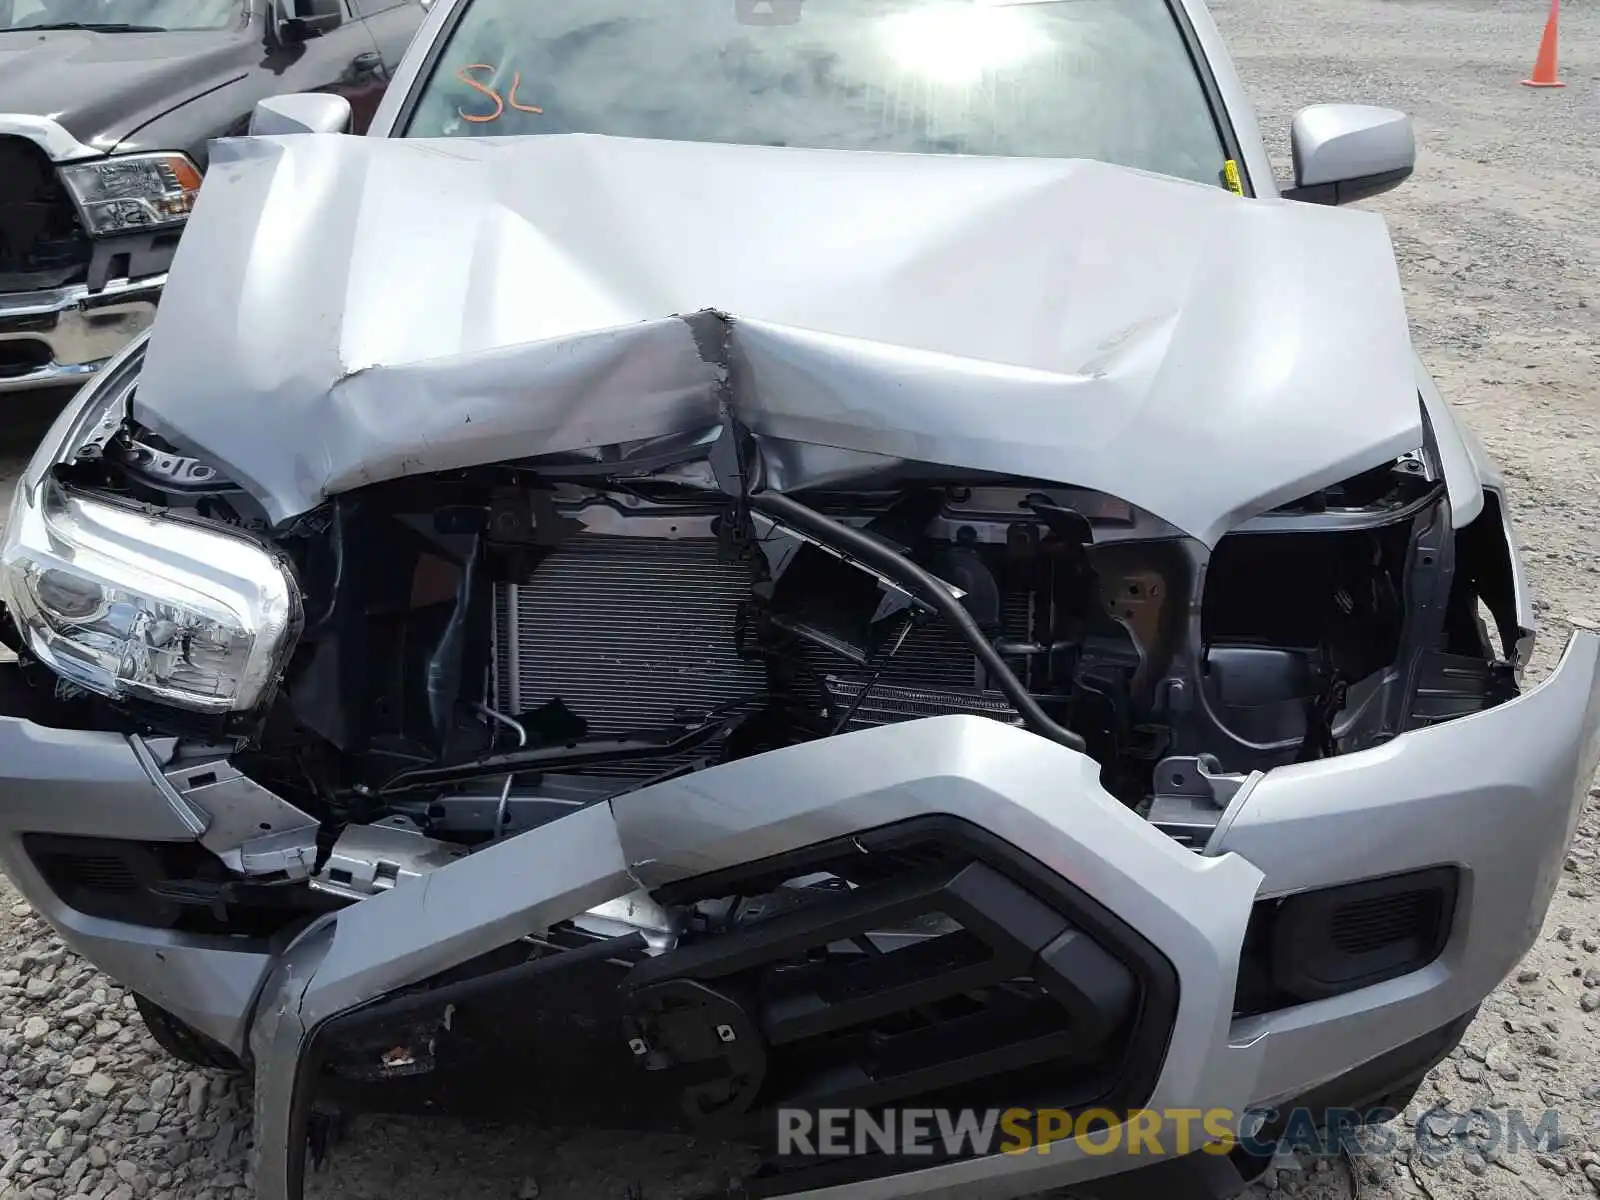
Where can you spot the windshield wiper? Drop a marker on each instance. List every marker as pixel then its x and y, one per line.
pixel 92 26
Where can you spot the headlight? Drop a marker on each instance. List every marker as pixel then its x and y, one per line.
pixel 135 606
pixel 133 191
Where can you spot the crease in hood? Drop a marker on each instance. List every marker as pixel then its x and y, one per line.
pixel 345 310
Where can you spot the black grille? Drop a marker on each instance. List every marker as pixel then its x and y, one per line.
pixel 20 356
pixel 1364 926
pixel 94 872
pixel 161 885
pixel 1019 990
pixel 1335 940
pixel 42 242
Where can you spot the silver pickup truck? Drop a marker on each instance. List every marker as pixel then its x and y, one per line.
pixel 808 571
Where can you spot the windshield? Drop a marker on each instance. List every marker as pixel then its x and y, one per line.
pixel 117 14
pixel 1102 79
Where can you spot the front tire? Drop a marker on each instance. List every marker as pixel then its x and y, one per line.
pixel 185 1042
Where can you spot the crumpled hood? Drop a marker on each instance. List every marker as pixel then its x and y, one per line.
pixel 345 310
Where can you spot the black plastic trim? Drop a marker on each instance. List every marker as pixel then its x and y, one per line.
pixel 1304 931
pixel 408 107
pixel 1289 941
pixel 395 1006
pixel 132 256
pixel 1347 191
pixel 1231 146
pixel 1157 1002
pixel 179 886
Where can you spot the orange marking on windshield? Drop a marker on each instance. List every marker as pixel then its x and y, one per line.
pixel 516 82
pixel 499 104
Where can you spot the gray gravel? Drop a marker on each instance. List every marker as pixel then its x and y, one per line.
pixel 1499 251
pixel 92 1107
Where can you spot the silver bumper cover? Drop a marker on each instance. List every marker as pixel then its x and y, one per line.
pixel 83 784
pixel 1496 794
pixel 60 337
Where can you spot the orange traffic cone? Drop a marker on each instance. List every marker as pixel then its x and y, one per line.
pixel 1544 67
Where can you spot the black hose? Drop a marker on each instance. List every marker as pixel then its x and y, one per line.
pixel 925 587
pixel 586 752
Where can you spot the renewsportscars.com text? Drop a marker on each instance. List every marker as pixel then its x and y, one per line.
pixel 842 1132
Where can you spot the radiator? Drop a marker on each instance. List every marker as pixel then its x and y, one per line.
pixel 629 633
pixel 932 673
pixel 636 633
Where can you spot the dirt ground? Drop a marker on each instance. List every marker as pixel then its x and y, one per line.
pixel 1500 252
pixel 1500 255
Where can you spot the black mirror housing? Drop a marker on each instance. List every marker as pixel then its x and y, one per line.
pixel 299 20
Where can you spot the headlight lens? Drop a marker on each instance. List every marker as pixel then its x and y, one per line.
pixel 133 191
pixel 135 606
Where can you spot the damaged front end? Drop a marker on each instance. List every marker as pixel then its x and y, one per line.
pixel 868 696
pixel 572 645
pixel 474 653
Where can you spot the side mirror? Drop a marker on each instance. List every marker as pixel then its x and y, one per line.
pixel 302 19
pixel 1347 152
pixel 301 112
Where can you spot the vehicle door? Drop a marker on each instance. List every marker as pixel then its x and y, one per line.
pixel 392 23
pixel 326 46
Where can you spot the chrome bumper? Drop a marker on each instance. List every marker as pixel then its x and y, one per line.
pixel 60 337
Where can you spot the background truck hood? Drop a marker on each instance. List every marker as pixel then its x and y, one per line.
pixel 345 310
pixel 101 87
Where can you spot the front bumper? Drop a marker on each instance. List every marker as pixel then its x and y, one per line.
pixel 60 337
pixel 1496 795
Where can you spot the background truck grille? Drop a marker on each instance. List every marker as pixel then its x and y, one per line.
pixel 42 243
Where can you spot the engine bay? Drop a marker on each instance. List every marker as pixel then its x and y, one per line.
pixel 487 649
pixel 482 652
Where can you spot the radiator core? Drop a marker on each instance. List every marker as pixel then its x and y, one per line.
pixel 635 634
pixel 630 633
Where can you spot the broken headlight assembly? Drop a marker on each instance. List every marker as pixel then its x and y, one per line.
pixel 143 607
pixel 133 192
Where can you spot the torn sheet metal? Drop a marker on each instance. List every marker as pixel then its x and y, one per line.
pixel 345 310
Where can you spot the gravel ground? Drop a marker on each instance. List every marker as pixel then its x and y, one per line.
pixel 1499 251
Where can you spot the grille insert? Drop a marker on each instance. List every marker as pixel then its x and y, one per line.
pixel 1028 993
pixel 42 243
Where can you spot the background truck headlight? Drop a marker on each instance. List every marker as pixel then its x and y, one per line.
pixel 133 191
pixel 146 607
